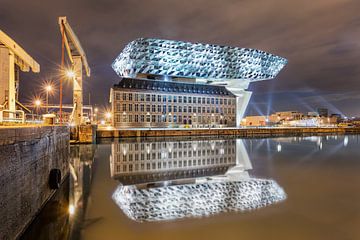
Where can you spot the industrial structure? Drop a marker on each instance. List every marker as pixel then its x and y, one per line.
pixel 13 59
pixel 78 60
pixel 221 67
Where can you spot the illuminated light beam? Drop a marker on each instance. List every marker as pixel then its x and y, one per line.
pixel 330 106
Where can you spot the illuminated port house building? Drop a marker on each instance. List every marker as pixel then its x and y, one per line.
pixel 166 83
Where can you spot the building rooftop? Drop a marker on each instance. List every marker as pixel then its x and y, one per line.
pixel 171 87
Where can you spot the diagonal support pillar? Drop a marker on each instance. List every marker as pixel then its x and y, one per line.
pixel 78 91
pixel 242 101
pixel 7 79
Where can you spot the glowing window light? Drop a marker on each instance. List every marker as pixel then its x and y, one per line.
pixel 71 209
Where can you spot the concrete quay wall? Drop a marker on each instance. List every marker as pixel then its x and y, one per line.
pixel 241 132
pixel 27 154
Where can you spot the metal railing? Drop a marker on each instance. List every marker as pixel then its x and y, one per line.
pixel 17 116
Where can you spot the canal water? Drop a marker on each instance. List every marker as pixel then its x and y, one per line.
pixel 208 188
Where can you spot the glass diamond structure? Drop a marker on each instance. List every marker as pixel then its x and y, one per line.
pixel 195 60
pixel 197 200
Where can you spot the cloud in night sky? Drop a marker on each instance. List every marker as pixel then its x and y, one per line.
pixel 319 38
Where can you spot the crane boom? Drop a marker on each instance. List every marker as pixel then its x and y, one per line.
pixel 22 58
pixel 13 58
pixel 72 43
pixel 78 61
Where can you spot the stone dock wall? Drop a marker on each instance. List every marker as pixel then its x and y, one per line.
pixel 27 154
pixel 240 132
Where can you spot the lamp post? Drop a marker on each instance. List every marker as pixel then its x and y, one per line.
pixel 95 114
pixel 70 74
pixel 48 89
pixel 37 104
pixel 108 116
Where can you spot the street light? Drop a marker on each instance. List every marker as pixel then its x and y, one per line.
pixel 37 104
pixel 95 114
pixel 70 73
pixel 108 116
pixel 48 89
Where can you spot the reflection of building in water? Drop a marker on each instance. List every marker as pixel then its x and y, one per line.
pixel 154 161
pixel 231 189
pixel 196 199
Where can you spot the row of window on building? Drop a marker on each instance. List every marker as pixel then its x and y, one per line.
pixel 140 97
pixel 173 164
pixel 212 145
pixel 155 156
pixel 171 118
pixel 124 108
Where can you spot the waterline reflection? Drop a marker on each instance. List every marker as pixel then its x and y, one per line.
pixel 172 180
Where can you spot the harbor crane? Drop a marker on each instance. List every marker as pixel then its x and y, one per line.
pixel 13 59
pixel 78 60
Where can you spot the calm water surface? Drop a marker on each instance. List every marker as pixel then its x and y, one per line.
pixel 208 188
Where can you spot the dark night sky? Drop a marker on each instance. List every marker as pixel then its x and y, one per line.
pixel 320 38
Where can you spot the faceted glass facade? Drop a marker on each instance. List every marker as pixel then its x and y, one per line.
pixel 197 200
pixel 184 59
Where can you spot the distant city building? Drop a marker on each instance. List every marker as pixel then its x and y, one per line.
pixel 278 117
pixel 291 119
pixel 323 112
pixel 221 68
pixel 337 116
pixel 312 114
pixel 149 103
pixel 254 121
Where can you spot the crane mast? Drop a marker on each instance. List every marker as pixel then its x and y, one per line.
pixel 13 58
pixel 78 60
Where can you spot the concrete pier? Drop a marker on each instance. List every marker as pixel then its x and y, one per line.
pixel 240 132
pixel 83 134
pixel 27 156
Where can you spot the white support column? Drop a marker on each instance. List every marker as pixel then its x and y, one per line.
pixel 242 100
pixel 12 90
pixel 7 79
pixel 78 91
pixel 4 73
pixel 243 163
